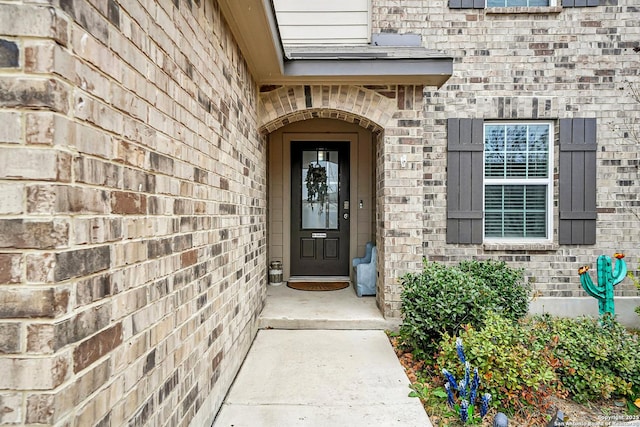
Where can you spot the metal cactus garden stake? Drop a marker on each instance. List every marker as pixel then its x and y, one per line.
pixel 607 279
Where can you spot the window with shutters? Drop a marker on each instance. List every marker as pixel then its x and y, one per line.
pixel 499 181
pixel 518 181
pixel 519 3
pixel 497 4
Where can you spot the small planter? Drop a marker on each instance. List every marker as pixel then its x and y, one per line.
pixel 275 273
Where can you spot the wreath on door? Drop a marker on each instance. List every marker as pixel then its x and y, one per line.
pixel 316 185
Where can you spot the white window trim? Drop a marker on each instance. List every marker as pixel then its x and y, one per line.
pixel 532 181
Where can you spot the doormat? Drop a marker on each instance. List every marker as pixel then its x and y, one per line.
pixel 318 286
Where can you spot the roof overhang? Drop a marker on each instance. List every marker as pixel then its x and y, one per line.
pixel 254 26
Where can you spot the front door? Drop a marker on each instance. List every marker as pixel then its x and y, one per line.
pixel 320 208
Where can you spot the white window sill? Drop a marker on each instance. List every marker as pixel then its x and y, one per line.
pixel 520 9
pixel 509 246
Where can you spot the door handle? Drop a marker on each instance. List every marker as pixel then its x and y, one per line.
pixel 345 215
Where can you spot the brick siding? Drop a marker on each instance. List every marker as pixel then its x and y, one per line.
pixel 132 212
pixel 551 64
pixel 133 184
pixel 509 64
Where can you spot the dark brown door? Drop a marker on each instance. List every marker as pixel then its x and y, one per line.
pixel 320 210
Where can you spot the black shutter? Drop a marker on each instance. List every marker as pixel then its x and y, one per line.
pixel 465 146
pixel 467 4
pixel 577 182
pixel 580 3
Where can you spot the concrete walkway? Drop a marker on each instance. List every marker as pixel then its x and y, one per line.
pixel 321 359
pixel 321 378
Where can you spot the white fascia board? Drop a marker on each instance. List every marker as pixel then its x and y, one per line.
pixel 428 71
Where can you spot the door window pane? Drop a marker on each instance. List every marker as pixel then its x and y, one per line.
pixel 319 190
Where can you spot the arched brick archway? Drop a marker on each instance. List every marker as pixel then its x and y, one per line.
pixel 354 104
pixel 393 114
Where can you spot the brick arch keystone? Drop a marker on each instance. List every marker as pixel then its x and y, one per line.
pixel 353 104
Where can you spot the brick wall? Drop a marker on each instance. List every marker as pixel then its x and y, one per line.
pixel 552 64
pixel 132 212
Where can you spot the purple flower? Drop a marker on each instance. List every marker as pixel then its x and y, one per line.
pixel 450 399
pixel 464 411
pixel 460 350
pixel 474 386
pixel 484 407
pixel 450 378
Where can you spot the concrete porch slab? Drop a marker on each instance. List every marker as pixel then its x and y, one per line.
pixel 321 378
pixel 288 308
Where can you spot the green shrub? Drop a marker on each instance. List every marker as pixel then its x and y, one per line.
pixel 599 357
pixel 511 293
pixel 437 300
pixel 441 299
pixel 513 370
pixel 593 359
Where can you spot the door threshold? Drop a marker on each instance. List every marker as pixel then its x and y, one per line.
pixel 294 279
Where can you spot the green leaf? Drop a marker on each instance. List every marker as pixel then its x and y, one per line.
pixel 440 393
